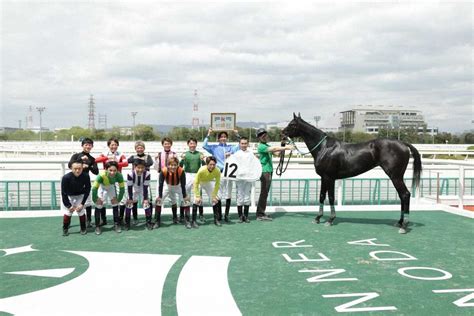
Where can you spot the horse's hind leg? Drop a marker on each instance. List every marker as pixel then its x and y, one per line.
pixel 404 195
pixel 322 197
pixel 331 185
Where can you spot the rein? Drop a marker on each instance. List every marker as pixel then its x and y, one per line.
pixel 280 169
pixel 302 153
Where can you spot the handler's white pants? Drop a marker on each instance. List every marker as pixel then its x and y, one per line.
pixel 244 188
pixel 75 201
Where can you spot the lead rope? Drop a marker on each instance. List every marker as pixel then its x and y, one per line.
pixel 280 169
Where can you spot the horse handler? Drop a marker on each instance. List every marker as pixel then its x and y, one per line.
pixel 265 152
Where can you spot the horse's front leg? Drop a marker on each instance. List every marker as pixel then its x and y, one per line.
pixel 331 185
pixel 322 197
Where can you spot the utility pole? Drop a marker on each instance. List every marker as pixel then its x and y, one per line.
pixel 317 118
pixel 40 109
pixel 195 118
pixel 91 123
pixel 133 130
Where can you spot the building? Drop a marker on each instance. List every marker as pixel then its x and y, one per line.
pixel 371 118
pixel 126 131
pixel 4 130
pixel 36 129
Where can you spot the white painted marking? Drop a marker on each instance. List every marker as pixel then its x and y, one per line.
pixel 321 278
pixel 50 273
pixel 405 257
pixel 367 242
pixel 463 301
pixel 12 251
pixel 203 288
pixel 306 259
pixel 446 275
pixel 289 244
pixel 111 277
pixel 347 307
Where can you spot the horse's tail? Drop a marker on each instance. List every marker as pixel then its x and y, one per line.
pixel 416 164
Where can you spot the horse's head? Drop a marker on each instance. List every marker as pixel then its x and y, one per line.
pixel 293 129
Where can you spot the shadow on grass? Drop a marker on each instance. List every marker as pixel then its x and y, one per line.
pixel 345 219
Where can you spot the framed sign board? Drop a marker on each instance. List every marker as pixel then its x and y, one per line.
pixel 223 121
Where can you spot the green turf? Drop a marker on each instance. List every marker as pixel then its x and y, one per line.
pixel 261 280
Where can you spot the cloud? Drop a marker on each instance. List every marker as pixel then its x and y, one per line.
pixel 261 60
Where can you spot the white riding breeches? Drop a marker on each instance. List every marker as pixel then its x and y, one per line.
pixel 244 188
pixel 75 201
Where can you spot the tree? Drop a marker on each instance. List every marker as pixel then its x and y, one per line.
pixel 468 138
pixel 99 134
pixel 22 135
pixel 76 131
pixel 360 137
pixel 145 133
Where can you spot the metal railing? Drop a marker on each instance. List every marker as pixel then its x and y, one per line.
pixel 45 195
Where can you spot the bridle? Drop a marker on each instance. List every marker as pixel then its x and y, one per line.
pixel 287 140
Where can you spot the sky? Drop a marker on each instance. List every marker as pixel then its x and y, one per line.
pixel 262 60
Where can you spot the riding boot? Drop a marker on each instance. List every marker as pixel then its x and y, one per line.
pixel 181 214
pixel 127 221
pixel 103 215
pixel 97 215
pixel 246 213
pixel 66 223
pixel 201 214
pixel 215 209
pixel 227 209
pixel 115 212
pixel 174 210
pixel 187 222
pixel 219 210
pixel 149 225
pixel 122 211
pixel 135 213
pixel 89 215
pixel 157 217
pixel 82 222
pixel 128 213
pixel 194 216
pixel 239 211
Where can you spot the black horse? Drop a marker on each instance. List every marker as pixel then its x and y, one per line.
pixel 337 160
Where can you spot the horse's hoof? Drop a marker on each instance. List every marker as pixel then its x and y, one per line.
pixel 315 221
pixel 402 231
pixel 397 224
pixel 328 224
